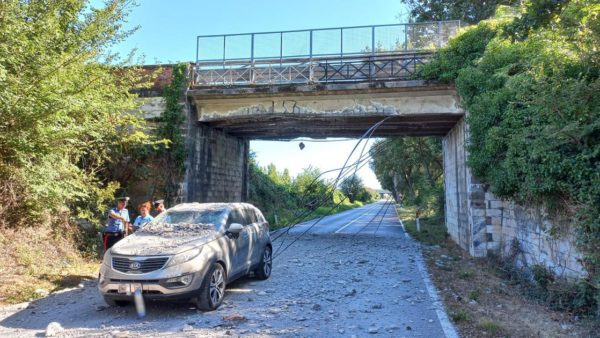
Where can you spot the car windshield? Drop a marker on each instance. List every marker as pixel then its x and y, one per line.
pixel 187 220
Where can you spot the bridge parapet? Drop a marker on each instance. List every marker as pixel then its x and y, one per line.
pixel 332 55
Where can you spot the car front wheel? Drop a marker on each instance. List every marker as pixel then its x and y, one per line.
pixel 212 290
pixel 263 271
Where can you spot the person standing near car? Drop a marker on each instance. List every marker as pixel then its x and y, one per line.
pixel 118 223
pixel 144 216
pixel 159 207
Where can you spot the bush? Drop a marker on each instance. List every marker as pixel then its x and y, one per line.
pixel 63 100
pixel 530 84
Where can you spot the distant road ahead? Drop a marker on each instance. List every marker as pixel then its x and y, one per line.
pixel 379 219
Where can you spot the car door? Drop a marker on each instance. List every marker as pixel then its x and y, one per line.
pixel 239 246
pixel 253 237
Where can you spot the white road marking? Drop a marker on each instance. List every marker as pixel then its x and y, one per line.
pixel 356 219
pixel 447 326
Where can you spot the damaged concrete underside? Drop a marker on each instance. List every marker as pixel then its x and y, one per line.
pixel 415 108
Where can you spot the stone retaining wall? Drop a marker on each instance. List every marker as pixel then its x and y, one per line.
pixel 482 223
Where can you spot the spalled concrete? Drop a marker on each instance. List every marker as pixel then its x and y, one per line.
pixel 346 110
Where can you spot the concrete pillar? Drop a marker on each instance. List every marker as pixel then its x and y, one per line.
pixel 465 196
pixel 217 164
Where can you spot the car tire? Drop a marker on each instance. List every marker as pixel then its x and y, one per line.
pixel 212 291
pixel 264 268
pixel 115 302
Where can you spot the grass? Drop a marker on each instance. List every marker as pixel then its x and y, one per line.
pixel 459 316
pixel 433 229
pixel 36 258
pixel 474 295
pixel 466 274
pixel 327 210
pixel 287 217
pixel 491 327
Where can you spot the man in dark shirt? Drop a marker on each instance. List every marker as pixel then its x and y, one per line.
pixel 159 207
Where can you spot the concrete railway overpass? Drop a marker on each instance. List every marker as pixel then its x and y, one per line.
pixel 270 86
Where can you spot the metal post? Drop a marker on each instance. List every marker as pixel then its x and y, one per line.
pixel 405 37
pixel 311 44
pixel 280 47
pixel 224 39
pixel 373 40
pixel 341 42
pixel 197 48
pixel 252 48
pixel 251 75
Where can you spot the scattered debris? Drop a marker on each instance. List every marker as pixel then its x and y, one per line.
pixel 373 329
pixel 42 292
pixel 53 329
pixel 235 318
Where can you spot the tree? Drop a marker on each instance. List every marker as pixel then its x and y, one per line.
pixel 412 169
pixel 312 189
pixel 354 189
pixel 63 104
pixel 470 11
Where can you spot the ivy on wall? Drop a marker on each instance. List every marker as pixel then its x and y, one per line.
pixel 172 156
pixel 530 80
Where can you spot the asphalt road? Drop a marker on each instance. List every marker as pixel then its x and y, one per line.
pixel 379 219
pixel 355 275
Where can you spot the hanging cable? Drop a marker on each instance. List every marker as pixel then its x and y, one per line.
pixel 367 135
pixel 334 184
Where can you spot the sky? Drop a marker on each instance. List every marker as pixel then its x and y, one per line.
pixel 168 29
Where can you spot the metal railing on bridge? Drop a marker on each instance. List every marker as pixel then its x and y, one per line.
pixel 344 54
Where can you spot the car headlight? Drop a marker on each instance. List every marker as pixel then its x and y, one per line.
pixel 184 256
pixel 107 258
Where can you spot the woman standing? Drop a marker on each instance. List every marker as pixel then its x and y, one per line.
pixel 144 216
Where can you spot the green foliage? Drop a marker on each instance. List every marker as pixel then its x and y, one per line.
pixel 534 110
pixel 169 128
pixel 284 200
pixel 354 189
pixel 62 105
pixel 311 189
pixel 491 327
pixel 561 294
pixel 470 11
pixel 459 316
pixel 412 169
pixel 474 294
pixel 272 198
pixel 433 228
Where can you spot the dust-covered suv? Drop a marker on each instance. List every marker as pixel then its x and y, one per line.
pixel 190 251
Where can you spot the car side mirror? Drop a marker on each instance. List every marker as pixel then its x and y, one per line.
pixel 235 228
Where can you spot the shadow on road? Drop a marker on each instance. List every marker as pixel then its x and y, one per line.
pixel 84 308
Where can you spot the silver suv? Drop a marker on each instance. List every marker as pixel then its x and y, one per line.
pixel 190 251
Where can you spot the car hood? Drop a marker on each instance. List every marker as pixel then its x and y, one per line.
pixel 148 242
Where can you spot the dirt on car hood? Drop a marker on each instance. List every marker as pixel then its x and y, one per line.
pixel 164 239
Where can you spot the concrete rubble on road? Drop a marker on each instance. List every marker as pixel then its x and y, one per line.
pixel 372 288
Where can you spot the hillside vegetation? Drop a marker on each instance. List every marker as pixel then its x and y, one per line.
pixel 71 138
pixel 529 78
pixel 286 201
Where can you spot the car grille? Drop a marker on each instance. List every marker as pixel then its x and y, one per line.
pixel 145 265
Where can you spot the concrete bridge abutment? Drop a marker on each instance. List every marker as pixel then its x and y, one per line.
pixel 481 223
pixel 217 163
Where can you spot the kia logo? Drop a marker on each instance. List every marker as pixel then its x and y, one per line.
pixel 135 265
